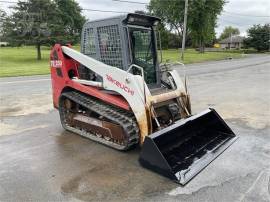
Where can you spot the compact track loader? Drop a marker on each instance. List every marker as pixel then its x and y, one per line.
pixel 116 93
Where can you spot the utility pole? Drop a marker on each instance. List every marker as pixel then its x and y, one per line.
pixel 184 31
pixel 230 41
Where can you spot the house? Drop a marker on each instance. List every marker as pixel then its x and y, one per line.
pixel 232 42
pixel 2 43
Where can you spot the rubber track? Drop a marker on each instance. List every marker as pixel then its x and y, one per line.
pixel 116 115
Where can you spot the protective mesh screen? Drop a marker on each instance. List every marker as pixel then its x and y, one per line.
pixel 110 45
pixel 89 47
pixel 143 45
pixel 143 53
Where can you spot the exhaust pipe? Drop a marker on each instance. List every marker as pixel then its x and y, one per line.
pixel 185 148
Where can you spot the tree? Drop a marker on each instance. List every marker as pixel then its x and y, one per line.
pixel 258 37
pixel 174 41
pixel 72 20
pixel 162 36
pixel 228 31
pixel 32 22
pixel 3 16
pixel 43 22
pixel 171 12
pixel 203 16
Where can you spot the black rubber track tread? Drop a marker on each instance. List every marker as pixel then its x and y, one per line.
pixel 124 118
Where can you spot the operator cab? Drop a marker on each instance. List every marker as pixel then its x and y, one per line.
pixel 142 43
pixel 122 41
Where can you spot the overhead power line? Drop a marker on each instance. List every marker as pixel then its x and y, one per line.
pixel 132 2
pixel 232 13
pixel 9 2
pixel 104 11
pixel 85 9
pixel 245 15
pixel 144 3
pixel 123 1
pixel 233 23
pixel 139 2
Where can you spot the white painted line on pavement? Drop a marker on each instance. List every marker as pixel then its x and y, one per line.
pixel 24 81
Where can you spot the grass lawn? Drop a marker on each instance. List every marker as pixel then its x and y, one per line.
pixel 193 56
pixel 22 61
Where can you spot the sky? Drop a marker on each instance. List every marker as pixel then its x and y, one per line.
pixel 237 13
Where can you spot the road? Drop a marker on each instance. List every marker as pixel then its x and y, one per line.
pixel 41 162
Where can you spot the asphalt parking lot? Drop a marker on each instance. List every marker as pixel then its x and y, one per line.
pixel 40 161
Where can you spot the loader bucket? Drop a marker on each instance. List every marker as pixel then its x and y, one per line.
pixel 183 149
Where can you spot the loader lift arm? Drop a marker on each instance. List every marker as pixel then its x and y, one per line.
pixel 132 87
